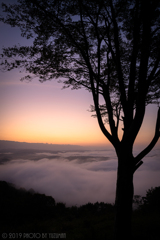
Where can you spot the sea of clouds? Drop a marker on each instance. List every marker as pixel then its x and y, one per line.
pixel 74 177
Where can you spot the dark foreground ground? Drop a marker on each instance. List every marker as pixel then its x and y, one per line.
pixel 29 215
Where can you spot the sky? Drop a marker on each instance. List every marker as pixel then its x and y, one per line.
pixel 43 112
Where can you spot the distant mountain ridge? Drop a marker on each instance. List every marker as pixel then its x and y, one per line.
pixel 40 146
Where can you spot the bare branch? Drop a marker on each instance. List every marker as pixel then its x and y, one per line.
pixel 106 95
pixel 153 142
pixel 118 61
pixel 99 117
pixel 132 75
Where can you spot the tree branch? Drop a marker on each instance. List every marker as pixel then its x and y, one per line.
pixel 151 76
pixel 153 142
pixel 142 86
pixel 146 37
pixel 118 61
pixel 99 117
pixel 137 166
pixel 106 96
pixel 118 111
pixel 133 64
pixel 84 33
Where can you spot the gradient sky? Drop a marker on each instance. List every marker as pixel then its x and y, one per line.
pixel 42 112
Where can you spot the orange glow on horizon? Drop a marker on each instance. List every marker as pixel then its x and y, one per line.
pixel 43 113
pixel 76 138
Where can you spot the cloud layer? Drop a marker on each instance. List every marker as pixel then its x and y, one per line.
pixel 74 177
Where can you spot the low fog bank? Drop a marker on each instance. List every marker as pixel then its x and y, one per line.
pixel 66 182
pixel 74 177
pixel 39 146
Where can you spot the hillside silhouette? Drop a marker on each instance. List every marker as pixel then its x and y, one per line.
pixel 30 212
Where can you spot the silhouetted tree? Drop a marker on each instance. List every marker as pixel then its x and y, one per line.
pixel 152 199
pixel 112 49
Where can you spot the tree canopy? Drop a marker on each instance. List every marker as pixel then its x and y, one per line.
pixel 109 47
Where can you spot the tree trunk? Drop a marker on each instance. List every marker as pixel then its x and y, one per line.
pixel 124 196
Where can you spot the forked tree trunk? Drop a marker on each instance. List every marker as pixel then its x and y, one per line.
pixel 124 196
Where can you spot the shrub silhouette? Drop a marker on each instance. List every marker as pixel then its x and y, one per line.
pixel 152 199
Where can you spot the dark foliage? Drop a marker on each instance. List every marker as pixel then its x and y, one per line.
pixel 151 202
pixel 19 205
pixel 26 211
